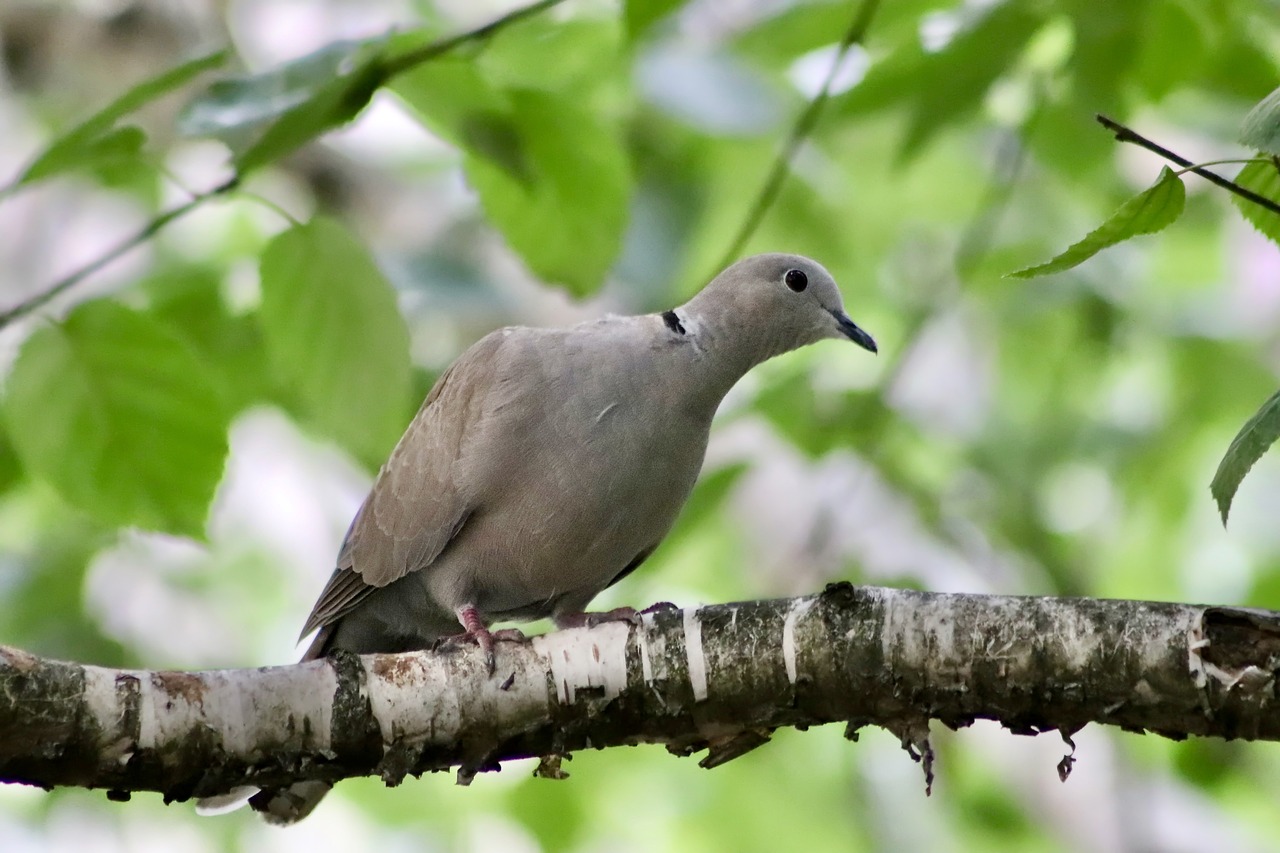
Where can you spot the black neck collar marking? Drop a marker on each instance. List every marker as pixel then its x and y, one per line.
pixel 673 322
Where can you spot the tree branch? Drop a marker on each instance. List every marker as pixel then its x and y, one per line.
pixel 144 234
pixel 717 678
pixel 1124 134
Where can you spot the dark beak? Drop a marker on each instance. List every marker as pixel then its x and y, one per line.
pixel 855 334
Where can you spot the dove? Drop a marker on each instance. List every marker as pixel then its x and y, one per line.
pixel 547 464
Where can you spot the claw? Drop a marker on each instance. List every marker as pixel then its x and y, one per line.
pixel 477 631
pixel 618 614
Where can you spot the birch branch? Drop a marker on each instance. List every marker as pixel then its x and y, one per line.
pixel 718 679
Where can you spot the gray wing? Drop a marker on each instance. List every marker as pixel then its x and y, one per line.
pixel 419 501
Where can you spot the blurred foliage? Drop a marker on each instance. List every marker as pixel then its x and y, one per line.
pixel 1048 436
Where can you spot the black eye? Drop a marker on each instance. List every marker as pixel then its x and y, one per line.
pixel 796 280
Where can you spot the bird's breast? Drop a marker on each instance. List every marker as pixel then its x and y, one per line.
pixel 595 492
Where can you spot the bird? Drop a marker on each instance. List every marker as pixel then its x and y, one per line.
pixel 546 465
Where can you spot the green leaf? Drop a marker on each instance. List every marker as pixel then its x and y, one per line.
pixel 941 88
pixel 10 470
pixel 1146 213
pixel 640 15
pixel 589 53
pixel 188 300
pixel 97 140
pixel 335 336
pixel 459 105
pixel 1261 127
pixel 1264 179
pixel 1174 47
pixel 567 220
pixel 120 417
pixel 1258 433
pixel 263 117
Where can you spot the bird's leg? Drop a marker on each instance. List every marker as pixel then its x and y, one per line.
pixel 618 614
pixel 476 630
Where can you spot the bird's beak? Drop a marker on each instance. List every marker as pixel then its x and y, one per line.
pixel 850 330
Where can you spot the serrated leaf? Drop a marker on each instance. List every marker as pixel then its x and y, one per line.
pixel 1146 213
pixel 96 139
pixel 262 117
pixel 120 417
pixel 335 336
pixel 1262 178
pixel 568 219
pixel 1258 434
pixel 1261 126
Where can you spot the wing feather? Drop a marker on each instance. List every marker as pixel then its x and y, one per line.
pixel 419 501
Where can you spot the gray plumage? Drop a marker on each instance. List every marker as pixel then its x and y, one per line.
pixel 546 464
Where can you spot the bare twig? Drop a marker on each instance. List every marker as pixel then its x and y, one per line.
pixel 1124 134
pixel 800 131
pixel 145 233
pixel 394 66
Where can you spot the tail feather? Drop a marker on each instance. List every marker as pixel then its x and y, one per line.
pixel 223 803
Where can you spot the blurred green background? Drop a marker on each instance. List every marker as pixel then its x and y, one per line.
pixel 187 434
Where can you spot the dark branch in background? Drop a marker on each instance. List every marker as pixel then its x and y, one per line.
pixel 800 131
pixel 144 234
pixel 717 678
pixel 1124 134
pixel 394 66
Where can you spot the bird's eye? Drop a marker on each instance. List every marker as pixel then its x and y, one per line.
pixel 796 280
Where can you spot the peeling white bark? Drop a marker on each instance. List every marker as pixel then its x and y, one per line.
pixel 716 678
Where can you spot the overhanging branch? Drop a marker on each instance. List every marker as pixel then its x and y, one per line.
pixel 717 678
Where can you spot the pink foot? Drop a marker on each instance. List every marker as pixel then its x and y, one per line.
pixel 478 632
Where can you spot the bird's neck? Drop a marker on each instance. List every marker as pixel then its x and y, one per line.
pixel 718 353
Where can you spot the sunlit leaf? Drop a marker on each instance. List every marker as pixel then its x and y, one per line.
pixel 1146 213
pixel 587 52
pixel 567 221
pixel 335 336
pixel 1258 433
pixel 188 300
pixel 458 104
pixel 97 139
pixel 1264 179
pixel 1261 127
pixel 120 417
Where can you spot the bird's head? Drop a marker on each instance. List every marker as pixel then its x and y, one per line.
pixel 780 301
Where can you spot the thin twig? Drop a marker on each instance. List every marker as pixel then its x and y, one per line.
pixel 145 233
pixel 800 131
pixel 417 56
pixel 1124 134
